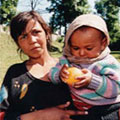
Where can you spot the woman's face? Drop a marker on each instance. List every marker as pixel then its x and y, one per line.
pixel 33 40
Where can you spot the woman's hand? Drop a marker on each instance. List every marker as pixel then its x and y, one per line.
pixel 84 80
pixel 54 113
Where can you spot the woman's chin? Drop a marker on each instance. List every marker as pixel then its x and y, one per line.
pixel 37 54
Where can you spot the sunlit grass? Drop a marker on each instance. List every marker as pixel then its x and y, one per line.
pixel 8 54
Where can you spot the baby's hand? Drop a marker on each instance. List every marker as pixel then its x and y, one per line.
pixel 64 73
pixel 84 80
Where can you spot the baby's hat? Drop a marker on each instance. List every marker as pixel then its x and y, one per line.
pixel 91 20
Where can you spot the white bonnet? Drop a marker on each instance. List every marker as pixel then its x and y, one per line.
pixel 91 20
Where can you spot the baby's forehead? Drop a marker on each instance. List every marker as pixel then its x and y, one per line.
pixel 85 29
pixel 86 35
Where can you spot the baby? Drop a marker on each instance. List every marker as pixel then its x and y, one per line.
pixel 86 47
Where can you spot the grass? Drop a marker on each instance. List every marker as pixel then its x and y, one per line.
pixel 9 55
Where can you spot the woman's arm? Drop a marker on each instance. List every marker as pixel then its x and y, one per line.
pixel 54 113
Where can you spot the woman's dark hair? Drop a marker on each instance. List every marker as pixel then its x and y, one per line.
pixel 19 22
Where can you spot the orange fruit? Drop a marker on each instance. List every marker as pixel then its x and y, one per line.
pixel 73 73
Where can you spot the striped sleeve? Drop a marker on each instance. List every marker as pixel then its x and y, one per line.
pixel 106 79
pixel 54 72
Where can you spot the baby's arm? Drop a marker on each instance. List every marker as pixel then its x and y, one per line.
pixel 55 74
pixel 106 79
pixel 105 82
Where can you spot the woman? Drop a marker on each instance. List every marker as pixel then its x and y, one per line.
pixel 26 93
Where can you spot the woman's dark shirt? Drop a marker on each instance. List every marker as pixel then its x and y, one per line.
pixel 23 93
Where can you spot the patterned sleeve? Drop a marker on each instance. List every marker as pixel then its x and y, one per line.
pixel 54 72
pixel 4 104
pixel 6 99
pixel 3 96
pixel 106 78
pixel 2 115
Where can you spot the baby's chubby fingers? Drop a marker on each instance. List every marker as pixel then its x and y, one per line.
pixel 81 77
pixel 79 84
pixel 88 75
pixel 63 72
pixel 84 79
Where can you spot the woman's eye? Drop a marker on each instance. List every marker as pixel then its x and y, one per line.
pixel 36 32
pixel 23 37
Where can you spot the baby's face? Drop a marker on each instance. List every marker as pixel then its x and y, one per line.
pixel 87 43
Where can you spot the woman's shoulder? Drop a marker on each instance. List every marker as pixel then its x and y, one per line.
pixel 16 69
pixel 17 66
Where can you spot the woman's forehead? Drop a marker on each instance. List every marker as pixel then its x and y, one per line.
pixel 32 24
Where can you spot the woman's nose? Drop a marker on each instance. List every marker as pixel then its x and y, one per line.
pixel 32 39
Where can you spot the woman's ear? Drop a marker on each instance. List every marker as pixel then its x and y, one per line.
pixel 104 43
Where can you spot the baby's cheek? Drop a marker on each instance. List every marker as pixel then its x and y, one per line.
pixel 95 54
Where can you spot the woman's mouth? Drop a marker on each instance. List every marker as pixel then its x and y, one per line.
pixel 36 48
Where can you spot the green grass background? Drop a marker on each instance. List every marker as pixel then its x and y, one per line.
pixel 9 55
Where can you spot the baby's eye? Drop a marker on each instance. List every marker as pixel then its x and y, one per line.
pixel 76 48
pixel 89 49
